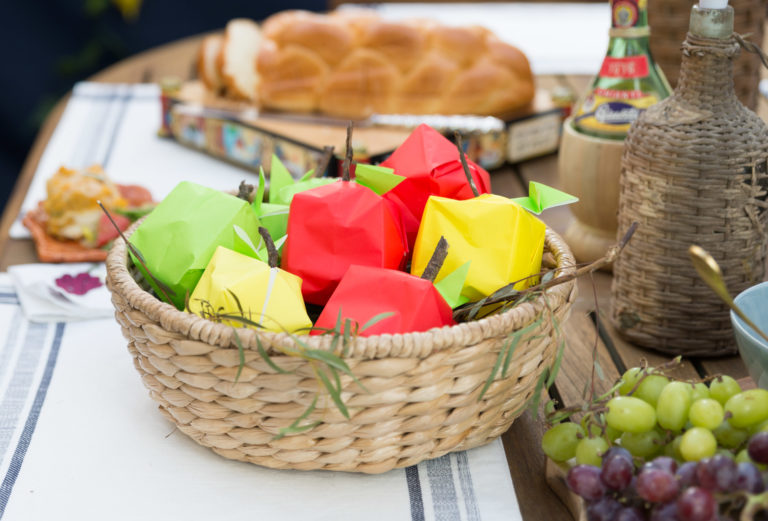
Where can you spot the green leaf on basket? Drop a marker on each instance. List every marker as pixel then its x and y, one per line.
pixel 376 319
pixel 265 356
pixel 335 393
pixel 241 353
pixel 540 197
pixel 450 286
pixel 295 428
pixel 380 179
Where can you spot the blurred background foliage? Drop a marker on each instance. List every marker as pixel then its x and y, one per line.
pixel 49 45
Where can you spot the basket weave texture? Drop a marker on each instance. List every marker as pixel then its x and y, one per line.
pixel 423 388
pixel 669 19
pixel 693 172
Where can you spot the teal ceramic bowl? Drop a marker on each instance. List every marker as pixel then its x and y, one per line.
pixel 752 348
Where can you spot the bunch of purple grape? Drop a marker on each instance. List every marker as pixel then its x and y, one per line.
pixel 712 489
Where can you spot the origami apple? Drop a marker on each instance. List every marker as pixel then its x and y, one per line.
pixel 267 295
pixel 431 165
pixel 334 226
pixel 365 292
pixel 178 238
pixel 503 242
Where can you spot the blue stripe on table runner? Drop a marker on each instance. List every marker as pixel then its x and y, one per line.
pixel 29 427
pixel 92 127
pixel 22 378
pixel 5 356
pixel 467 487
pixel 125 100
pixel 444 498
pixel 414 493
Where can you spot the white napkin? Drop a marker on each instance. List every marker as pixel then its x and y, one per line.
pixel 81 439
pixel 62 292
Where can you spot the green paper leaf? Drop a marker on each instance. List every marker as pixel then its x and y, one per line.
pixel 257 250
pixel 285 194
pixel 279 177
pixel 380 179
pixel 540 197
pixel 450 286
pixel 256 205
pixel 306 177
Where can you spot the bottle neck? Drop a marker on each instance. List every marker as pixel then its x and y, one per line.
pixel 629 14
pixel 706 72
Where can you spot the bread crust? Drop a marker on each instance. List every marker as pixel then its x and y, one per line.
pixel 353 64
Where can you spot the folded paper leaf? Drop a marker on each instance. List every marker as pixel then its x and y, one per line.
pixel 178 238
pixel 450 286
pixel 237 285
pixel 540 197
pixel 412 303
pixel 380 179
pixel 431 165
pixel 503 242
pixel 282 186
pixel 334 226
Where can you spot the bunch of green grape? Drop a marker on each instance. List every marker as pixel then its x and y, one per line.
pixel 654 415
pixel 659 421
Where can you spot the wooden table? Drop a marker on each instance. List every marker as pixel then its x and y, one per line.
pixel 587 333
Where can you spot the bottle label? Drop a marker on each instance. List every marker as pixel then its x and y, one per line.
pixel 626 67
pixel 612 115
pixel 625 13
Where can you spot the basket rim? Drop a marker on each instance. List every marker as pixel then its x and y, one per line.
pixel 421 343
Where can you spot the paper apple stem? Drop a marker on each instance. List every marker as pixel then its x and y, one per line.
pixel 436 261
pixel 322 165
pixel 138 255
pixel 464 164
pixel 274 258
pixel 347 154
pixel 245 191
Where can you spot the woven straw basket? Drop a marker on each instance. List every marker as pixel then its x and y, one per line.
pixel 422 388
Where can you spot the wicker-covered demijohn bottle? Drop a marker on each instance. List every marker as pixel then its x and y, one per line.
pixel 693 172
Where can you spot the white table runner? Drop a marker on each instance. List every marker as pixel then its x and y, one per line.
pixel 81 439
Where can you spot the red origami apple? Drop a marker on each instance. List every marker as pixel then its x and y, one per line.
pixel 431 165
pixel 334 226
pixel 365 292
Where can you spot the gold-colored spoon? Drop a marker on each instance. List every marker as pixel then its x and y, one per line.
pixel 710 272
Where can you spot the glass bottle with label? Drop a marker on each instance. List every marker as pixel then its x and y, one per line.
pixel 629 80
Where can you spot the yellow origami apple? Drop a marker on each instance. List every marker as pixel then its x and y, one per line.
pixel 502 241
pixel 268 296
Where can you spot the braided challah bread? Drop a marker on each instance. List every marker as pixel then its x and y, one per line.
pixel 352 64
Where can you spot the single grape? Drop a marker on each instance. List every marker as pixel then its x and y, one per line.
pixel 699 391
pixel 663 463
pixel 590 451
pixel 696 504
pixel 729 436
pixel 758 448
pixel 617 452
pixel 748 478
pixel 657 485
pixel 584 480
pixel 630 514
pixel 664 512
pixel 604 509
pixel 672 405
pixel 617 472
pixel 707 413
pixel 747 408
pixel 717 473
pixel 743 456
pixel 643 444
pixel 629 414
pixel 629 379
pixel 697 443
pixel 650 388
pixel 686 474
pixel 722 388
pixel 559 442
